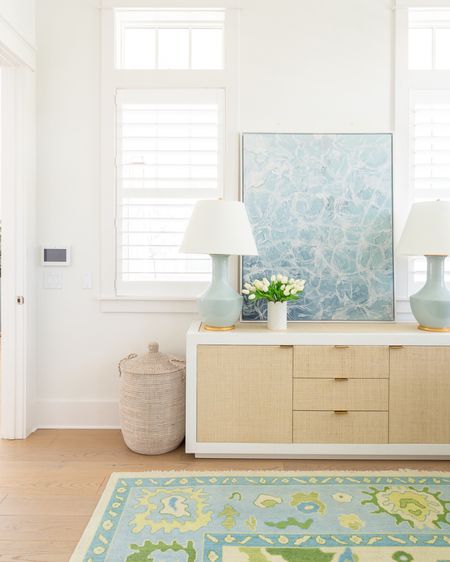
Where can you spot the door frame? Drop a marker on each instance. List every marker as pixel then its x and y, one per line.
pixel 17 148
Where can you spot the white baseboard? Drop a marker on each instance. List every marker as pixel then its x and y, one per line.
pixel 81 414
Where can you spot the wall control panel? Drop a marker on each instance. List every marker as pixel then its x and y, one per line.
pixel 55 255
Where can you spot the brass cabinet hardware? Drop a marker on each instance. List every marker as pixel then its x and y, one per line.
pixel 341 411
pixel 286 346
pixel 396 347
pixel 341 347
pixel 341 378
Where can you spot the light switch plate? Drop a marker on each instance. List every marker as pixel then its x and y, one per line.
pixel 87 280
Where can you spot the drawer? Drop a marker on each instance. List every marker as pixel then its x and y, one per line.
pixel 352 427
pixel 332 394
pixel 324 361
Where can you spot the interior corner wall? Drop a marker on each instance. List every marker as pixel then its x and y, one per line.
pixel 20 16
pixel 322 66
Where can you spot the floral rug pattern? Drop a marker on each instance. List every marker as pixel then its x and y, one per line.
pixel 270 517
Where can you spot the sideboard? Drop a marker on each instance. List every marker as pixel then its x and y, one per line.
pixel 318 390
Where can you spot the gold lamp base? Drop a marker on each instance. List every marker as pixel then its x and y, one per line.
pixel 218 328
pixel 428 329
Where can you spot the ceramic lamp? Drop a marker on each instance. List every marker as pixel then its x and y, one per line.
pixel 219 228
pixel 427 233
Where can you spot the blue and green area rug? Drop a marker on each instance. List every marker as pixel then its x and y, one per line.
pixel 270 517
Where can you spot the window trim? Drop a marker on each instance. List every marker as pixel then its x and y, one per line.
pixel 111 80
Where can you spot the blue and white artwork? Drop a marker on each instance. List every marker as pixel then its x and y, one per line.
pixel 321 210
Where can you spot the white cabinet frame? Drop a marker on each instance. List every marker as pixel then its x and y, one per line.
pixel 389 334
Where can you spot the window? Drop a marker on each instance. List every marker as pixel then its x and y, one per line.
pixel 430 148
pixel 429 38
pixel 169 39
pixel 169 154
pixel 423 119
pixel 169 138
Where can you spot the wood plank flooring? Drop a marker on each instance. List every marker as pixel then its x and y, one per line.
pixel 51 482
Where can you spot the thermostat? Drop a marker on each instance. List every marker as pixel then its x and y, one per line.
pixel 55 255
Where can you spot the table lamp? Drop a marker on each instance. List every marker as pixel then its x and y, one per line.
pixel 219 228
pixel 427 232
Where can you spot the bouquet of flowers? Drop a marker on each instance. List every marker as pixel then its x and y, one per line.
pixel 279 289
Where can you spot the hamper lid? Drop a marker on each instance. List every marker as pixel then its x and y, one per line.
pixel 152 363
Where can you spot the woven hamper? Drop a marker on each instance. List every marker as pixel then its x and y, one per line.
pixel 152 401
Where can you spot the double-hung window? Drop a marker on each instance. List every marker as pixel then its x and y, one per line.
pixel 168 140
pixel 422 118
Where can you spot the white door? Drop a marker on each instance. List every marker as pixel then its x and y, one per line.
pixel 17 146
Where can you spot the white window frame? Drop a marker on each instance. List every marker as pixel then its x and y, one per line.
pixel 171 24
pixel 407 81
pixel 113 79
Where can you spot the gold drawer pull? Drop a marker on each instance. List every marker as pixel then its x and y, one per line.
pixel 395 347
pixel 286 346
pixel 341 411
pixel 341 347
pixel 341 378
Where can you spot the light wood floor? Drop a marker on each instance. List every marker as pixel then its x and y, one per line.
pixel 51 482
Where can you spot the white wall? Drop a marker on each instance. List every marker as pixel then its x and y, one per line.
pixel 321 66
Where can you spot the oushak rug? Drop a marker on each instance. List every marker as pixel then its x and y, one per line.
pixel 270 517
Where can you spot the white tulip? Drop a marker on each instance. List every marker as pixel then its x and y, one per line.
pixel 273 278
pixel 266 281
pixel 265 288
pixel 279 277
pixel 293 292
pixel 247 285
pixel 286 293
pixel 291 280
pixel 252 289
pixel 251 297
pixel 284 279
pixel 245 292
pixel 283 287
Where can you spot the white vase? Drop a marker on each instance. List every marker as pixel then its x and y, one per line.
pixel 277 315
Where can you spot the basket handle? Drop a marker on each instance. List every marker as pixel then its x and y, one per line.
pixel 119 365
pixel 178 361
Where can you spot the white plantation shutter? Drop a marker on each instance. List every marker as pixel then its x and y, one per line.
pixel 430 143
pixel 169 155
pixel 430 161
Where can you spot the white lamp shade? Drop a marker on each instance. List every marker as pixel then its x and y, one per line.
pixel 219 227
pixel 427 230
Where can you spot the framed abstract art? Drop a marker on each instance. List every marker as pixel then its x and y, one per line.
pixel 321 209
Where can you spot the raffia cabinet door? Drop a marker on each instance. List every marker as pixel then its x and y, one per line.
pixel 244 394
pixel 419 405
